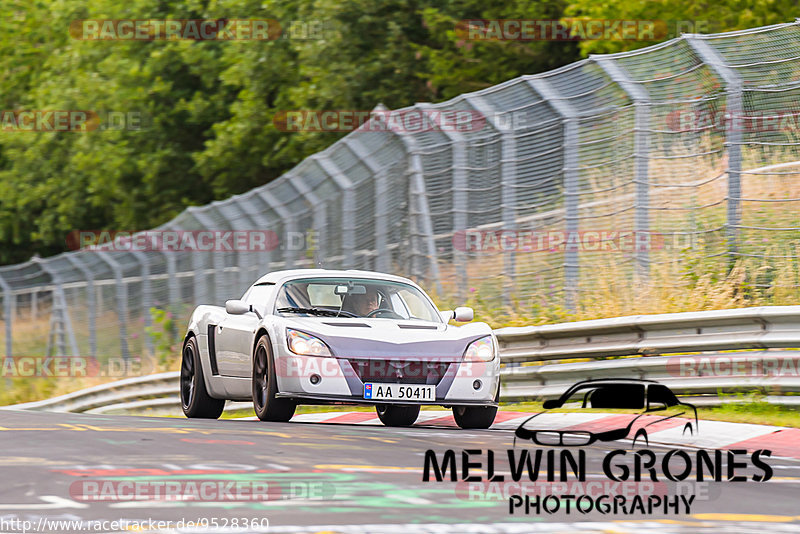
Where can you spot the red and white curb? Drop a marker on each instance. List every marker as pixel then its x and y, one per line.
pixel 782 441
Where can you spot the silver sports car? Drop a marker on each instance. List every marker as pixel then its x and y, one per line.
pixel 317 336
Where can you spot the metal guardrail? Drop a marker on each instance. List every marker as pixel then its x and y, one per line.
pixel 549 158
pixel 639 342
pixel 645 346
pixel 105 395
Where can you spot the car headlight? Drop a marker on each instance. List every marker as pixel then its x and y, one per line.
pixel 306 344
pixel 480 350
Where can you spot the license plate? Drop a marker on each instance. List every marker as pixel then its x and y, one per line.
pixel 404 392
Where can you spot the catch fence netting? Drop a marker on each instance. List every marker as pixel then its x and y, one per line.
pixel 618 165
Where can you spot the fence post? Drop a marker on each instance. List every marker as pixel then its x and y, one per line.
pixel 59 306
pixel 90 298
pixel 234 212
pixel 641 133
pixel 122 301
pixel 319 215
pixel 8 312
pixel 419 211
pixel 147 294
pixel 174 286
pixel 571 197
pixel 460 200
pixel 216 258
pixel 348 207
pixel 382 263
pixel 289 223
pixel 258 218
pixel 733 133
pixel 508 182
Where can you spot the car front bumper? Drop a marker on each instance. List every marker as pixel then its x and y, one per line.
pixel 342 379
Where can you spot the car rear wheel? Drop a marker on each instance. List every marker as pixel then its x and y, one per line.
pixel 195 400
pixel 396 415
pixel 265 386
pixel 474 416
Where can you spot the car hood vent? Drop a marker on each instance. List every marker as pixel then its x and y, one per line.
pixel 356 325
pixel 417 327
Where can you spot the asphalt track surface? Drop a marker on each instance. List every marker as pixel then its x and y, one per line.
pixel 325 478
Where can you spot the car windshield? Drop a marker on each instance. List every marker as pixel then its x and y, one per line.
pixel 354 297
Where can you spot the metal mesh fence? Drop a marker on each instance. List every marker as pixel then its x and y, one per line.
pixel 628 160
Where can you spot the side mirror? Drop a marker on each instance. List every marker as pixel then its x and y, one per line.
pixel 236 307
pixel 462 314
pixel 550 404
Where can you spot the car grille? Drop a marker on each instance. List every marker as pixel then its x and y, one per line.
pixel 399 372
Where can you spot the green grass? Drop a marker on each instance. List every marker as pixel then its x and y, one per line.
pixel 750 411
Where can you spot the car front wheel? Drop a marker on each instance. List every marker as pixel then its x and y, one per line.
pixel 396 415
pixel 195 400
pixel 474 416
pixel 265 386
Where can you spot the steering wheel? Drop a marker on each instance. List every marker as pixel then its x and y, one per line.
pixel 389 314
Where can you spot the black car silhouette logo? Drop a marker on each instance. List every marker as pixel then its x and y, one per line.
pixel 640 404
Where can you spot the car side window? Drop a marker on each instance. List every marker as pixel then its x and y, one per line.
pixel 618 396
pixel 258 295
pixel 399 306
pixel 659 396
pixel 415 306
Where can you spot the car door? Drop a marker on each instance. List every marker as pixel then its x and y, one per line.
pixel 235 334
pixel 662 403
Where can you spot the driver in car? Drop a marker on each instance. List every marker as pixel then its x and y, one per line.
pixel 366 303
